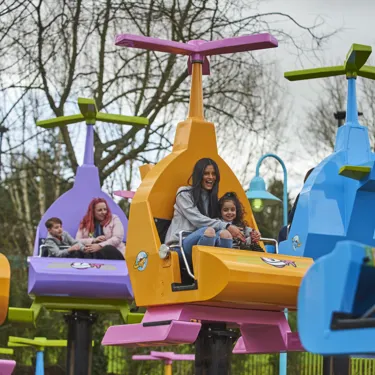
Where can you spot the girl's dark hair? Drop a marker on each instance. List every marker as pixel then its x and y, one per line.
pixel 240 211
pixel 195 181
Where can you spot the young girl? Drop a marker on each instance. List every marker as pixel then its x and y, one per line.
pixel 232 211
pixel 196 210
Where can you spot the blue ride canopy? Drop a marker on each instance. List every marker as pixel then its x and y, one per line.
pixel 336 201
pixel 334 223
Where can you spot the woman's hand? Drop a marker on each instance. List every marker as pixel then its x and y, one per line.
pixel 236 232
pixel 99 239
pixel 93 248
pixel 255 236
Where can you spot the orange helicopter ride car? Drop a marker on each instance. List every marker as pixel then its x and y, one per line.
pixel 228 288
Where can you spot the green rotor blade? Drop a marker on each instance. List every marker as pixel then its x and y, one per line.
pixel 353 66
pixel 88 110
pixel 357 57
pixel 18 341
pixel 89 114
pixel 55 343
pixel 367 72
pixel 299 75
pixel 37 342
pixel 122 120
pixel 6 351
pixel 60 121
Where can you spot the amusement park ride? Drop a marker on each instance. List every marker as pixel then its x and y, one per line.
pixel 334 224
pixel 81 287
pixel 228 289
pixel 205 310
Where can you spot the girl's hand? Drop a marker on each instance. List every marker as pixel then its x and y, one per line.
pixel 100 239
pixel 93 248
pixel 255 236
pixel 236 233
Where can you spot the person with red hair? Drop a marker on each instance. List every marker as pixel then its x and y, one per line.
pixel 101 232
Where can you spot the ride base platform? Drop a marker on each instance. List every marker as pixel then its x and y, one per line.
pixel 7 366
pixel 261 331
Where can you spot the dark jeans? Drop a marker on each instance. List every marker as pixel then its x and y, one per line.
pixel 106 252
pixel 198 238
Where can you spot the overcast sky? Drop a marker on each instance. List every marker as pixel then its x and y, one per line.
pixel 356 19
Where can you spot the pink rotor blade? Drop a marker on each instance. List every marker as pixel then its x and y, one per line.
pixel 154 44
pixel 124 194
pixel 238 44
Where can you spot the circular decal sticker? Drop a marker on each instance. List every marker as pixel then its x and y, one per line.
pixel 296 242
pixel 141 261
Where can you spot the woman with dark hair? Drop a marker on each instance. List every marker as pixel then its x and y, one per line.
pixel 196 210
pixel 101 232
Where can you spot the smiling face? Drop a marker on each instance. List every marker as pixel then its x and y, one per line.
pixel 228 211
pixel 209 177
pixel 100 211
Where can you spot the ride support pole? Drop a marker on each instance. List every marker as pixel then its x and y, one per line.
pixel 79 354
pixel 39 365
pixel 213 350
pixel 336 365
pixel 168 367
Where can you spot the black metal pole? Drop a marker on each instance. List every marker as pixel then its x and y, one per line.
pixel 337 365
pixel 213 350
pixel 79 355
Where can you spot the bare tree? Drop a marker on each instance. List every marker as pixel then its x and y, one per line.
pixel 258 125
pixel 61 50
pixel 51 52
pixel 32 181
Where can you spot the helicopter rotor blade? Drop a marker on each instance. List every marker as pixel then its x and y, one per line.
pixel 87 107
pixel 153 44
pixel 89 114
pixel 122 120
pixel 367 72
pixel 237 44
pixel 209 48
pixel 357 57
pixel 330 71
pixel 60 121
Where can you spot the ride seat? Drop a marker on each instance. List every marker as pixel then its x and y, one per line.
pixel 72 205
pixel 162 226
pixel 43 249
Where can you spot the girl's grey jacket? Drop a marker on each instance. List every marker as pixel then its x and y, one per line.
pixel 187 217
pixel 57 248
